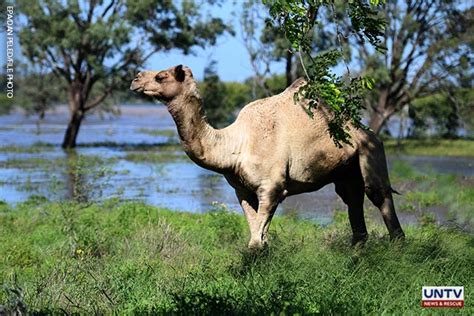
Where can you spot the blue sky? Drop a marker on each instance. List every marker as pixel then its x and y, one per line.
pixel 229 52
pixel 232 58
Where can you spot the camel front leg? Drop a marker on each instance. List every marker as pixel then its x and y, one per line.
pixel 267 205
pixel 259 238
pixel 249 204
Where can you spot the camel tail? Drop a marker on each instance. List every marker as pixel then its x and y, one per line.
pixel 395 191
pixel 373 166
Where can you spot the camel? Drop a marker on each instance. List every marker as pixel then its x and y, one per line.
pixel 274 149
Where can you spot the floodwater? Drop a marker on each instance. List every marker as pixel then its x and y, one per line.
pixel 176 184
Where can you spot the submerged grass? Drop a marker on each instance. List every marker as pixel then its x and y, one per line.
pixel 431 147
pixel 51 164
pixel 32 149
pixel 169 146
pixel 158 132
pixel 133 258
pixel 155 157
pixel 423 191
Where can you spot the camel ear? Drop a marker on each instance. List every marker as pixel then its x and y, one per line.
pixel 179 73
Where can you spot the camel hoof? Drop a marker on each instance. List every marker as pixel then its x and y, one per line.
pixel 257 245
pixel 398 236
pixel 359 240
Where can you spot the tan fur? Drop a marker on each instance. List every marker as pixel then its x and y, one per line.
pixel 274 149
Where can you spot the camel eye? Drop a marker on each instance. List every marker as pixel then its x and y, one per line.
pixel 158 78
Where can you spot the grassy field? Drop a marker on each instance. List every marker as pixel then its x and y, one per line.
pixel 431 147
pixel 129 258
pixel 126 257
pixel 425 193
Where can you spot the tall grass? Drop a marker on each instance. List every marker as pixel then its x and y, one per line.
pixel 133 258
pixel 431 147
pixel 424 191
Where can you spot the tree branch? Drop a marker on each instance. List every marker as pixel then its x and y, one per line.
pixel 90 13
pixel 64 71
pixel 108 8
pixel 98 100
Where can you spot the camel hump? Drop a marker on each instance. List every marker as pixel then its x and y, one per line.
pixel 296 84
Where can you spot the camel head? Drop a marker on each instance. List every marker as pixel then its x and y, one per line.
pixel 164 85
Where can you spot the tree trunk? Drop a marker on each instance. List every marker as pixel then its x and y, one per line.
pixel 72 130
pixel 76 107
pixel 376 122
pixel 381 112
pixel 288 68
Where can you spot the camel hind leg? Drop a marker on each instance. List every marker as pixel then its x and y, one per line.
pixel 373 167
pixel 351 191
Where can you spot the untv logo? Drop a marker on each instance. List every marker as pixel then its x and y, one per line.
pixel 442 296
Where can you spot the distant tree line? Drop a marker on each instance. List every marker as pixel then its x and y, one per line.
pixel 78 53
pixel 91 46
pixel 425 53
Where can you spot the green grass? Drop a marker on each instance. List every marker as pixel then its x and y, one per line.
pixel 32 149
pixel 169 146
pixel 158 132
pixel 424 191
pixel 431 147
pixel 51 164
pixel 133 258
pixel 155 157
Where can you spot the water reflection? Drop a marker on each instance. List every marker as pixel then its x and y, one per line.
pixel 96 170
pixel 76 185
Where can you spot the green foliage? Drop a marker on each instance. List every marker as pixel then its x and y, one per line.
pixel 446 111
pixel 93 46
pixel 228 226
pixel 237 94
pixel 342 95
pixel 6 104
pixel 273 84
pixel 221 99
pixel 430 147
pixel 429 48
pixel 182 25
pixel 154 157
pixel 130 258
pixel 364 20
pixel 344 100
pixel 213 95
pixel 426 192
pixel 66 38
pixel 274 35
pixel 3 5
pixel 36 90
pixel 170 133
pixel 39 90
pixel 423 199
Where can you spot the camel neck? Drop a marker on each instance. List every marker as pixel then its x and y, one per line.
pixel 201 142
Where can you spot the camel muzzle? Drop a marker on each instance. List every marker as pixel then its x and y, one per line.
pixel 135 86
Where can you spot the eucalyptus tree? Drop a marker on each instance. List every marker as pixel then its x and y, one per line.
pixel 428 42
pixel 266 45
pixel 214 91
pixel 403 48
pixel 447 109
pixel 300 19
pixel 93 46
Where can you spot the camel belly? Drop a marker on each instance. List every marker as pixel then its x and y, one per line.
pixel 307 177
pixel 311 171
pixel 295 187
